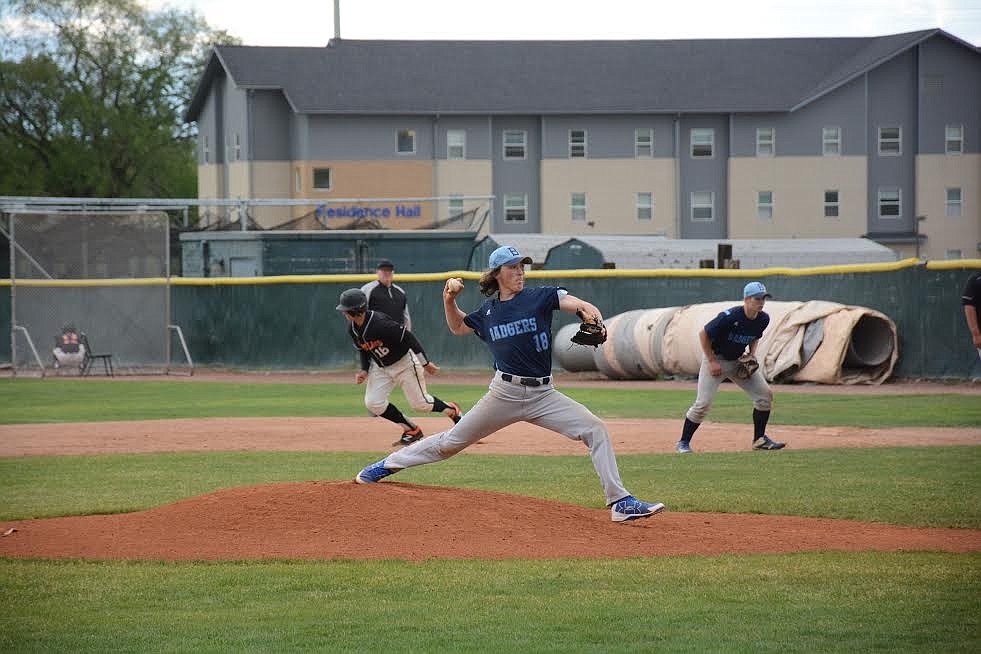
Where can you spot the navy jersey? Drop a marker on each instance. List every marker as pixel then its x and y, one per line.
pixel 731 331
pixel 519 331
pixel 384 340
pixel 972 294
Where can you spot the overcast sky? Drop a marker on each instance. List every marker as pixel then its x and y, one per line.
pixel 311 22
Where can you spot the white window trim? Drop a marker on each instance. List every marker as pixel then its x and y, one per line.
pixel 691 142
pixel 524 144
pixel 297 180
pixel 825 141
pixel 960 140
pixel 638 206
pixel 462 146
pixel 237 148
pixel 406 153
pixel 455 198
pixel 959 204
pixel 585 141
pixel 711 205
pixel 765 205
pixel 773 141
pixel 207 151
pixel 573 207
pixel 899 153
pixel 330 179
pixel 878 202
pixel 836 204
pixel 637 144
pixel 523 207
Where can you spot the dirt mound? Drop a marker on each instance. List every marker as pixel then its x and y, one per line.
pixel 391 520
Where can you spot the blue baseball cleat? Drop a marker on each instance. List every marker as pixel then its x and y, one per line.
pixel 630 508
pixel 374 473
pixel 766 443
pixel 683 448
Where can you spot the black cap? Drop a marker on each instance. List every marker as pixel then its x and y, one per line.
pixel 385 263
pixel 353 299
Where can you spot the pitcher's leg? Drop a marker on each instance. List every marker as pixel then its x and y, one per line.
pixel 564 415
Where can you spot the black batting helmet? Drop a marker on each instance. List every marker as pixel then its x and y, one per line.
pixel 353 299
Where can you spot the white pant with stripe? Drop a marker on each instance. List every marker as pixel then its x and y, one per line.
pixel 408 373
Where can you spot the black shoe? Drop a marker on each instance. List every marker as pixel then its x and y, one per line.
pixel 765 443
pixel 411 436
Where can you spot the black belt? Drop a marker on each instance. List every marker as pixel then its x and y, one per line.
pixel 526 381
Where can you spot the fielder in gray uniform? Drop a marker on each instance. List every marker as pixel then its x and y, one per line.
pixel 515 323
pixel 724 340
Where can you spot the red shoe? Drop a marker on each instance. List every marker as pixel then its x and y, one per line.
pixel 457 412
pixel 411 436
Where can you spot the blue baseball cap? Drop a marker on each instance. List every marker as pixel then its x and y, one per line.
pixel 505 256
pixel 753 289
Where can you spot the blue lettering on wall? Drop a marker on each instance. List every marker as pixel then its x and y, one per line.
pixel 358 211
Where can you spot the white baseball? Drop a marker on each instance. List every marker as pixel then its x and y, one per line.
pixel 454 284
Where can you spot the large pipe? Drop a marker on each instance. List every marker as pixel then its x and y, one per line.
pixel 871 343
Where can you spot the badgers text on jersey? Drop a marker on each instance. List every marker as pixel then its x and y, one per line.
pixel 523 326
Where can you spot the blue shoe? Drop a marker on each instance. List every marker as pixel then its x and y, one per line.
pixel 683 448
pixel 374 473
pixel 765 443
pixel 630 508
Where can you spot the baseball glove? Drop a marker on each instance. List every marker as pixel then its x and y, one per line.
pixel 592 331
pixel 747 366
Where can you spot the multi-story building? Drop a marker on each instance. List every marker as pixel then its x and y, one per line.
pixel 736 138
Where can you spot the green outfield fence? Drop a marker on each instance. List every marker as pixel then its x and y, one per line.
pixel 289 322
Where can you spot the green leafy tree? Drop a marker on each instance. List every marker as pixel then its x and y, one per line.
pixel 92 96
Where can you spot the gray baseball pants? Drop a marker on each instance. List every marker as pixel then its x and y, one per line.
pixel 756 387
pixel 506 403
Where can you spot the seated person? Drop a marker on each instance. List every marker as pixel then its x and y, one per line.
pixel 69 349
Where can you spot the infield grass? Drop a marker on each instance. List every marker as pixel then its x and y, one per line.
pixel 88 400
pixel 824 602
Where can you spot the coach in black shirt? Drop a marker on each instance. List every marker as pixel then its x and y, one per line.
pixel 386 297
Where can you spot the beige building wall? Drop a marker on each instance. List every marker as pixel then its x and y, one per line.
pixel 271 180
pixel 798 185
pixel 611 187
pixel 209 181
pixel 947 235
pixel 464 178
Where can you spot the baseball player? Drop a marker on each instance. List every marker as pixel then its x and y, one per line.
pixel 515 323
pixel 725 339
pixel 390 356
pixel 386 296
pixel 972 308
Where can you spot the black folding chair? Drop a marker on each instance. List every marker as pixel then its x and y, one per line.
pixel 91 357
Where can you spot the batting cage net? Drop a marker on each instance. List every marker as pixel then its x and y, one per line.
pixel 95 280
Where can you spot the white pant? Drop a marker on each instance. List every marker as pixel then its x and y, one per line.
pixel 70 358
pixel 756 387
pixel 506 403
pixel 408 373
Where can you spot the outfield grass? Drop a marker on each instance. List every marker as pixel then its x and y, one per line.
pixel 75 400
pixel 830 602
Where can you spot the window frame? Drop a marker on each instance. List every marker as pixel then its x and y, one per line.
pixel 462 145
pixel 949 204
pixel 297 180
pixel 330 179
pixel 959 140
pixel 639 206
pixel 710 132
pixel 825 141
pixel 710 206
pixel 454 199
pixel 836 204
pixel 760 142
pixel 638 145
pixel 899 202
pixel 237 148
pixel 206 150
pixel 523 207
pixel 574 146
pixel 398 141
pixel 575 207
pixel 898 140
pixel 505 146
pixel 764 206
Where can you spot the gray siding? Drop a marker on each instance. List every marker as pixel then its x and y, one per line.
pixel 892 101
pixel 207 131
pixel 300 137
pixel 960 101
pixel 704 175
pixel 799 134
pixel 478 144
pixel 607 137
pixel 366 138
pixel 517 176
pixel 270 127
pixel 236 121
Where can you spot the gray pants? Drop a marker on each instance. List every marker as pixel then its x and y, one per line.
pixel 756 387
pixel 506 403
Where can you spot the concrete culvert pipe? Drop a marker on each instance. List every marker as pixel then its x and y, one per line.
pixel 871 343
pixel 572 357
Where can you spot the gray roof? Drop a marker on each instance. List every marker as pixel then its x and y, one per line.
pixel 555 77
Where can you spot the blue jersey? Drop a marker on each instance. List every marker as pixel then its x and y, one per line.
pixel 519 331
pixel 731 331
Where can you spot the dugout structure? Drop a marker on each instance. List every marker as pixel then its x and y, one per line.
pixel 106 273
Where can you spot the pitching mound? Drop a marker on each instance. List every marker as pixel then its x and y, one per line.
pixel 344 520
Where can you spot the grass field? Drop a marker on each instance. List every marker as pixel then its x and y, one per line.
pixel 817 602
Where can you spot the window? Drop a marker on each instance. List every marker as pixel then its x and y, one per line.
pixel 644 143
pixel 577 206
pixel 954 139
pixel 645 206
pixel 577 143
pixel 515 143
pixel 515 207
pixel 703 206
pixel 207 151
pixel 406 141
pixel 890 203
pixel 953 254
pixel 238 147
pixel 890 141
pixel 456 144
pixel 831 141
pixel 297 181
pixel 765 142
pixel 321 179
pixel 455 207
pixel 831 204
pixel 702 142
pixel 764 205
pixel 954 202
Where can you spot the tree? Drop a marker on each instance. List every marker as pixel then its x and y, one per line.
pixel 92 97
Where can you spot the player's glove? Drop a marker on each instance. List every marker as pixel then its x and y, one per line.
pixel 592 331
pixel 747 366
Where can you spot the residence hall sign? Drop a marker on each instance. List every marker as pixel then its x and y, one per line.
pixel 365 211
